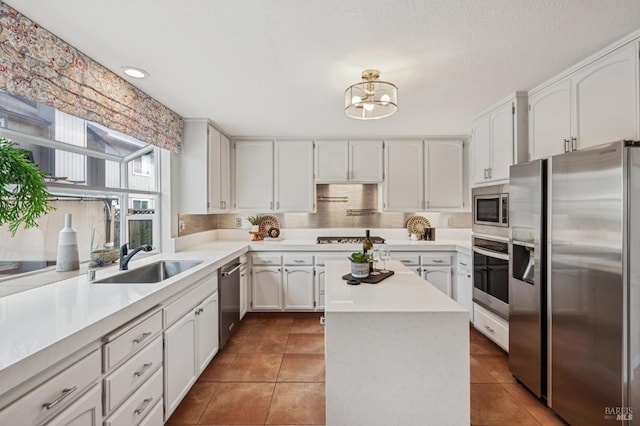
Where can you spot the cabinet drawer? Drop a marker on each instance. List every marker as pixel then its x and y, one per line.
pixel 464 262
pixel 176 309
pixel 131 374
pixel 492 326
pixel 154 418
pixel 436 259
pixel 407 259
pixel 139 404
pixel 266 259
pixel 64 387
pixel 129 341
pixel 300 260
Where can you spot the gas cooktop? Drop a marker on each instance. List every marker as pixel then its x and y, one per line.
pixel 348 240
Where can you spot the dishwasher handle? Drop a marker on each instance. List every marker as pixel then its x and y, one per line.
pixel 235 268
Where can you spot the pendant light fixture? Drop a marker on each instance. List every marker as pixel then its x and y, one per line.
pixel 372 98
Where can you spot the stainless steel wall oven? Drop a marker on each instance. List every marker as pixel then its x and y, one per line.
pixel 491 275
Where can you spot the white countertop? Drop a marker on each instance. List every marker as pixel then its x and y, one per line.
pixel 402 292
pixel 45 324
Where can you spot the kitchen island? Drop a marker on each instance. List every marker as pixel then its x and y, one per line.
pixel 397 352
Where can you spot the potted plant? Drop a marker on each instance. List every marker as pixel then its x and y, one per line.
pixel 359 264
pixel 23 191
pixel 255 222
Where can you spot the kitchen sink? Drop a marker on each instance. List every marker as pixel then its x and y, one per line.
pixel 151 273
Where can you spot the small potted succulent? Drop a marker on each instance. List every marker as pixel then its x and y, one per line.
pixel 359 264
pixel 255 222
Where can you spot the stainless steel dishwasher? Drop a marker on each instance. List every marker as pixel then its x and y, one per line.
pixel 229 300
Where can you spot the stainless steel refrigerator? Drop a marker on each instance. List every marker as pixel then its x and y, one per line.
pixel 592 289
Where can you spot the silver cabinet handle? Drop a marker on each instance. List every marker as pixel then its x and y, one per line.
pixel 286 270
pixel 277 205
pixel 144 368
pixel 489 329
pixel 270 205
pixel 142 337
pixel 142 406
pixel 462 263
pixel 405 261
pixel 574 144
pixel 566 145
pixel 65 393
pixel 489 170
pixel 438 261
pixel 298 260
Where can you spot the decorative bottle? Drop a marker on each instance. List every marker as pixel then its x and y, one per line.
pixel 68 259
pixel 367 248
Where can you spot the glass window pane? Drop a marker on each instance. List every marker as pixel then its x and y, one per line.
pixel 23 115
pixel 93 218
pixel 102 139
pixel 142 172
pixel 140 232
pixel 77 169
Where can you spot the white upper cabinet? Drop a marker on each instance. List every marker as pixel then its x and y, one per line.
pixel 499 139
pixel 550 120
pixel 423 175
pixel 349 161
pixel 274 176
pixel 294 185
pixel 204 169
pixel 403 183
pixel 593 105
pixel 365 161
pixel 254 175
pixel 444 175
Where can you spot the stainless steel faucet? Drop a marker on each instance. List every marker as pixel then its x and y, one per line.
pixel 125 256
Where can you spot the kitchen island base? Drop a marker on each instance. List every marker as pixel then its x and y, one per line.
pixel 392 366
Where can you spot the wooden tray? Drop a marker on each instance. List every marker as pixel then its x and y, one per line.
pixel 371 279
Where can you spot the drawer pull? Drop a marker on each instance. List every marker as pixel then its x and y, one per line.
pixel 298 260
pixel 438 261
pixel 405 261
pixel 142 337
pixel 463 264
pixel 143 406
pixel 489 329
pixel 143 369
pixel 65 393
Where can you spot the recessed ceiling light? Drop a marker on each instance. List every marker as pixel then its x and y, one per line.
pixel 135 72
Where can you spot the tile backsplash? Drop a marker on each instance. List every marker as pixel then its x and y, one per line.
pixel 337 206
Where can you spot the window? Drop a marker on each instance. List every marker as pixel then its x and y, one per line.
pixel 93 173
pixel 142 165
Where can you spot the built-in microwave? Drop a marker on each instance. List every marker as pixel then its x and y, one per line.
pixel 491 209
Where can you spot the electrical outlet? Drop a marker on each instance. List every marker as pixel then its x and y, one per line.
pixel 450 221
pixel 181 225
pixel 238 222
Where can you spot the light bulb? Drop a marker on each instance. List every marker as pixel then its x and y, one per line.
pixel 385 99
pixel 356 100
pixel 368 106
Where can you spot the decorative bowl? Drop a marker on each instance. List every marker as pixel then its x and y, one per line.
pixel 104 256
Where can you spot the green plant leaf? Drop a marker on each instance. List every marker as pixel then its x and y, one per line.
pixel 23 191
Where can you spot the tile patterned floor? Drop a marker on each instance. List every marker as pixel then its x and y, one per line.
pixel 272 373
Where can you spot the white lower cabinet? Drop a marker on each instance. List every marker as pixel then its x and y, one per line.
pixel 139 404
pixel 298 287
pixel 154 418
pixel 464 284
pixel 266 287
pixel 85 411
pixel 436 268
pixel 439 277
pixel 190 342
pixel 206 331
pixel 54 395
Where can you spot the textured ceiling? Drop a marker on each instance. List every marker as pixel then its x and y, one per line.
pixel 280 67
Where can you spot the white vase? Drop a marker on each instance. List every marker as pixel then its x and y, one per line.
pixel 68 259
